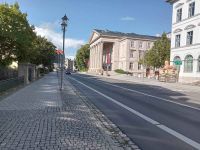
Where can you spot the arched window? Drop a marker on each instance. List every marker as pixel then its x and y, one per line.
pixel 177 59
pixel 198 64
pixel 188 64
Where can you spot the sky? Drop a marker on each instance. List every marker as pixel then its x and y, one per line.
pixel 149 17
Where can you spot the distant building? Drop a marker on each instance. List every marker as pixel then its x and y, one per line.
pixel 115 50
pixel 185 39
pixel 69 64
pixel 169 35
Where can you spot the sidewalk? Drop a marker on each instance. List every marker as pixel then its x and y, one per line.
pixel 171 86
pixel 40 117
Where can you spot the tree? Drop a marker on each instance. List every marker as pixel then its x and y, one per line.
pixel 44 52
pixel 19 42
pixel 82 57
pixel 7 47
pixel 16 35
pixel 158 54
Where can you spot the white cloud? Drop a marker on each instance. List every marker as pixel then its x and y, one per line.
pixel 127 18
pixel 47 30
pixel 158 35
pixel 71 57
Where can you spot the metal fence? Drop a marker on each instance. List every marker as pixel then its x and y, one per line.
pixel 7 73
pixel 10 83
pixel 173 78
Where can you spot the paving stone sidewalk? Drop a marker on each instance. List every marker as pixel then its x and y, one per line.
pixel 40 117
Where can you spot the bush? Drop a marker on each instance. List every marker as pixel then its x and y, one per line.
pixel 43 71
pixel 120 71
pixel 83 70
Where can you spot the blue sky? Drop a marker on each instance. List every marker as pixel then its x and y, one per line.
pixel 149 17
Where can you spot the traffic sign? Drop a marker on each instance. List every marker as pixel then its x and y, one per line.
pixel 178 62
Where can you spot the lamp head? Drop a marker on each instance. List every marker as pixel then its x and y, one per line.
pixel 64 21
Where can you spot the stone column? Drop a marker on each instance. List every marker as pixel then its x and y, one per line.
pixel 34 72
pixel 26 74
pixel 95 57
pixel 90 58
pixel 23 71
pixel 101 55
pixel 98 57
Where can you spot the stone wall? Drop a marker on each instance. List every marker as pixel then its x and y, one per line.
pixel 28 71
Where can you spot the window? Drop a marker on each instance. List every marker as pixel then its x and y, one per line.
pixel 148 45
pixel 132 44
pixel 177 58
pixel 198 64
pixel 131 67
pixel 191 9
pixel 188 63
pixel 179 15
pixel 131 53
pixel 189 38
pixel 141 54
pixel 140 44
pixel 139 66
pixel 177 40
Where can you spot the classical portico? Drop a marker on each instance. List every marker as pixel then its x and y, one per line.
pixel 101 53
pixel 101 56
pixel 96 55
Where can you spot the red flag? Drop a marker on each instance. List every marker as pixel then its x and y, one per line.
pixel 59 52
pixel 108 56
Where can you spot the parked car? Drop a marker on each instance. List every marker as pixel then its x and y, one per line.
pixel 68 72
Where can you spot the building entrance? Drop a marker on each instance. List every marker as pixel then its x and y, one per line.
pixel 107 56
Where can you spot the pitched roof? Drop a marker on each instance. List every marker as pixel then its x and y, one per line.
pixel 120 34
pixel 171 1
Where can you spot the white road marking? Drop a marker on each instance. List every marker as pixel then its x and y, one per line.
pixel 156 123
pixel 156 97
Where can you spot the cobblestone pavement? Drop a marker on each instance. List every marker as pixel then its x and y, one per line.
pixel 40 117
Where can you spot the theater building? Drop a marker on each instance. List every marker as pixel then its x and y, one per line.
pixel 115 50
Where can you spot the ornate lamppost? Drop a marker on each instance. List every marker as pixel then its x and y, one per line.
pixel 63 25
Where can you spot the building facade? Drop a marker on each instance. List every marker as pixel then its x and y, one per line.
pixel 69 64
pixel 185 39
pixel 115 50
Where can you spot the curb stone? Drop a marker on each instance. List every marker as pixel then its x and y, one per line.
pixel 115 133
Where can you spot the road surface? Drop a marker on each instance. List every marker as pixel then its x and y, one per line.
pixel 147 114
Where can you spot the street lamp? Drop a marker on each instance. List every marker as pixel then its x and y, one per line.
pixel 63 25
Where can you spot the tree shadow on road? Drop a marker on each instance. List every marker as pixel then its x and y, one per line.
pixel 153 90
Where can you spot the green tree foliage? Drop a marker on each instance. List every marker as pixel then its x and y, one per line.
pixel 44 52
pixel 75 64
pixel 82 57
pixel 7 48
pixel 19 42
pixel 159 53
pixel 16 33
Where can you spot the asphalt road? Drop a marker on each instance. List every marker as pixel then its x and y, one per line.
pixel 143 112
